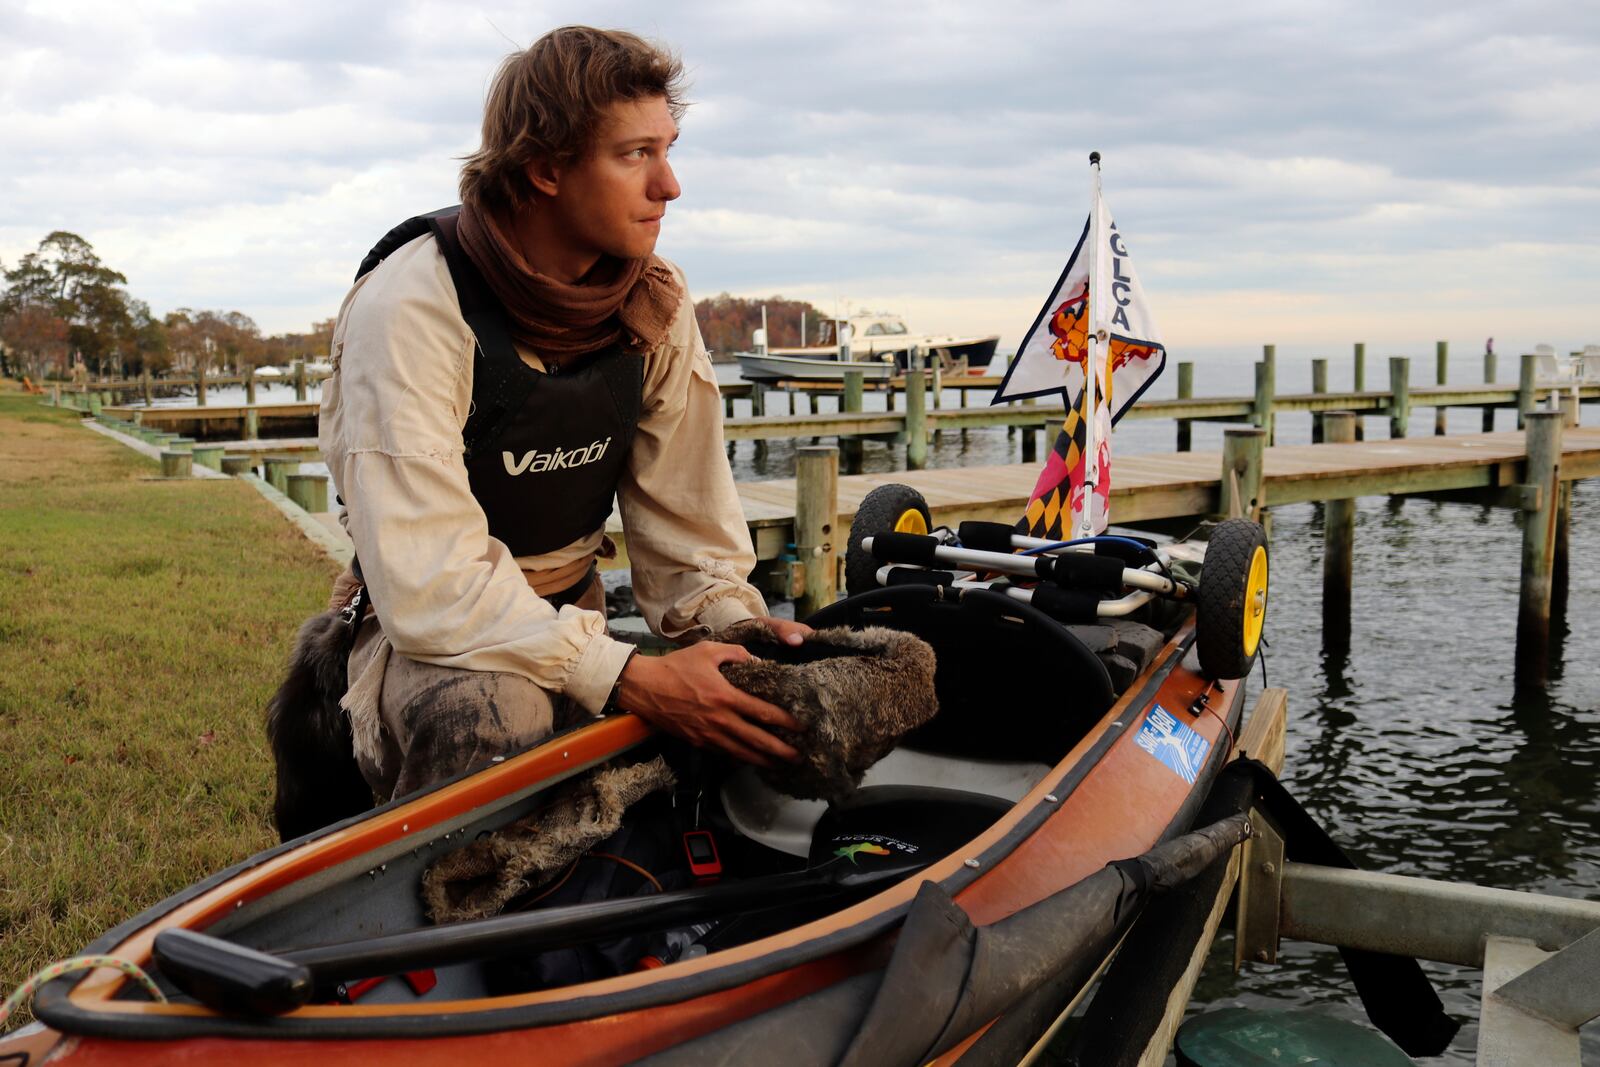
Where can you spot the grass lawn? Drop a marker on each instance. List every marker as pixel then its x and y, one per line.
pixel 143 625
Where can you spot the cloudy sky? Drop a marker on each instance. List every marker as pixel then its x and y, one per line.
pixel 1302 173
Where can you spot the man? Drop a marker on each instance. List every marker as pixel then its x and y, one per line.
pixel 476 490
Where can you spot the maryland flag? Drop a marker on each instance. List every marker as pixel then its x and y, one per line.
pixel 1096 333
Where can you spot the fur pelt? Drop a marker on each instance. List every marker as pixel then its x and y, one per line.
pixel 318 779
pixel 855 692
pixel 479 880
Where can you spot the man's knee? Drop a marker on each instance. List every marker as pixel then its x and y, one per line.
pixel 460 720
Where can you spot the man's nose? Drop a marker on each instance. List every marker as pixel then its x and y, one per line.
pixel 665 186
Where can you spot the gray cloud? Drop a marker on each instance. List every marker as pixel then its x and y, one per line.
pixel 931 153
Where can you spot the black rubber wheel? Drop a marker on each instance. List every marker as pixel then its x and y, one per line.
pixel 1231 606
pixel 887 509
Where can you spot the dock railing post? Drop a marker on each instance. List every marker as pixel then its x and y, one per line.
pixel 1441 362
pixel 1570 415
pixel 1185 392
pixel 758 409
pixel 1358 382
pixel 250 386
pixel 1488 379
pixel 300 380
pixel 816 514
pixel 1338 543
pixel 1399 395
pixel 252 424
pixel 1243 449
pixel 1527 387
pixel 1261 405
pixel 1539 524
pixel 1266 390
pixel 916 414
pixel 850 399
pixel 936 377
pixel 1319 384
pixel 200 384
pixel 144 386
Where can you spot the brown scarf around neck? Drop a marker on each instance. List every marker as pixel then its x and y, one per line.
pixel 629 300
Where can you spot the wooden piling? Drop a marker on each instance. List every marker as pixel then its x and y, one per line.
pixel 1185 391
pixel 207 456
pixel 309 491
pixel 1266 386
pixel 1243 449
pixel 237 464
pixel 94 404
pixel 1319 384
pixel 1338 544
pixel 1399 395
pixel 175 464
pixel 1540 520
pixel 1358 383
pixel 1441 366
pixel 1030 444
pixel 1527 387
pixel 200 384
pixel 850 400
pixel 250 386
pixel 916 416
pixel 144 387
pixel 1488 379
pixel 1570 419
pixel 815 520
pixel 300 380
pixel 278 469
pixel 758 407
pixel 252 424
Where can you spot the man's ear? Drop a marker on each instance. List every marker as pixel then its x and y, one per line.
pixel 544 176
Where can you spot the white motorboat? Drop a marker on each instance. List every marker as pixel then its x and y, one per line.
pixel 757 367
pixel 875 336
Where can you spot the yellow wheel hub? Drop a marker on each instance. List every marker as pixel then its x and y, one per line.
pixel 911 522
pixel 1255 601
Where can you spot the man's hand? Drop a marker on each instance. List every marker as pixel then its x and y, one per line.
pixel 685 694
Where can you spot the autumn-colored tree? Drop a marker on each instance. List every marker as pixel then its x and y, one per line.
pixel 37 338
pixel 67 278
pixel 727 322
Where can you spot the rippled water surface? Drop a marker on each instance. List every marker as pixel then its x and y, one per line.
pixel 1414 749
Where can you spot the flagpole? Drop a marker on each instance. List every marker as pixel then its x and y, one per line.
pixel 1091 366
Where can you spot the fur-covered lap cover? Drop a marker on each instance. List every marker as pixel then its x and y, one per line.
pixel 855 692
pixel 478 881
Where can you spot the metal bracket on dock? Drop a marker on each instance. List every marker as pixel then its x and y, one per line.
pixel 1260 890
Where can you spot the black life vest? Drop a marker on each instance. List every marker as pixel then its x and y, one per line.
pixel 544 451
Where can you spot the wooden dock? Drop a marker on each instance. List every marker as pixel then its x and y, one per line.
pixel 1184 484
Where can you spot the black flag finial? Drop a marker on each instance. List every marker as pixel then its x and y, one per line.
pixel 1094 159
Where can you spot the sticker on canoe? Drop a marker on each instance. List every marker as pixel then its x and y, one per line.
pixel 1173 743
pixel 849 851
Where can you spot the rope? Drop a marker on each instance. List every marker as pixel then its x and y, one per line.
pixel 56 970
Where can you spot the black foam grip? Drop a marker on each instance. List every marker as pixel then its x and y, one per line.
pixel 1071 606
pixel 1141 555
pixel 986 536
pixel 905 548
pixel 1079 570
pixel 911 576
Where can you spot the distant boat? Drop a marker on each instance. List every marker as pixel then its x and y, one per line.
pixel 877 335
pixel 755 367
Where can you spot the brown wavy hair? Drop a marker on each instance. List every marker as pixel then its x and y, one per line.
pixel 548 103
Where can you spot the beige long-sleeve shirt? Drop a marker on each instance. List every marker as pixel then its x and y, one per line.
pixel 450 594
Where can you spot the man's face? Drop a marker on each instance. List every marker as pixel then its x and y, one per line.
pixel 611 201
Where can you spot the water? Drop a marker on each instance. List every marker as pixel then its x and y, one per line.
pixel 1415 750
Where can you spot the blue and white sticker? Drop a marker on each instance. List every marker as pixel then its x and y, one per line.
pixel 1173 743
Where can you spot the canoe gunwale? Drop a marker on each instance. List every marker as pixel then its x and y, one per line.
pixel 61 1010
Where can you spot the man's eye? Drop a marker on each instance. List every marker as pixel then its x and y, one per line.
pixel 637 153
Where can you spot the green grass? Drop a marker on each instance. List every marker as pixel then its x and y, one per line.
pixel 143 625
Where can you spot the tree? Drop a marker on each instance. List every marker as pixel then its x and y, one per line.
pixel 67 278
pixel 727 322
pixel 38 337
